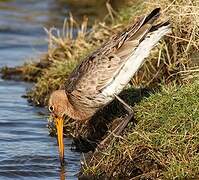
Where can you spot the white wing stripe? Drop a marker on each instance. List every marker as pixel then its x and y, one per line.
pixel 133 63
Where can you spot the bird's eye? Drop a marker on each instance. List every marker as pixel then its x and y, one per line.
pixel 51 108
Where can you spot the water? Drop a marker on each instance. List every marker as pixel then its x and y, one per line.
pixel 26 149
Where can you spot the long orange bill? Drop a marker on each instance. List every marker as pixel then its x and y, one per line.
pixel 59 125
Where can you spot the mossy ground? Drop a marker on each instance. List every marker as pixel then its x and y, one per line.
pixel 163 143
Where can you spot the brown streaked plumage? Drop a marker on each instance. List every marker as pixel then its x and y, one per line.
pixel 102 75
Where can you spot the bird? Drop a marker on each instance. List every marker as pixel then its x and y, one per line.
pixel 101 76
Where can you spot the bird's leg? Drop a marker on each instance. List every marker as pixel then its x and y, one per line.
pixel 78 126
pixel 118 130
pixel 126 120
pixel 125 105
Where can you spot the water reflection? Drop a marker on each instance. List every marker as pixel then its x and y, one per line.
pixel 21 28
pixel 26 150
pixel 62 173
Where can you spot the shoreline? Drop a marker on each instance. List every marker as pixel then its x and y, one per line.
pixel 168 72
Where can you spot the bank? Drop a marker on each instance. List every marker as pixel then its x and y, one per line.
pixel 162 140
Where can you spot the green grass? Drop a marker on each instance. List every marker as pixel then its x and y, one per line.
pixel 170 122
pixel 164 142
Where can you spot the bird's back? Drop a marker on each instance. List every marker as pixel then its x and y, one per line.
pixel 108 70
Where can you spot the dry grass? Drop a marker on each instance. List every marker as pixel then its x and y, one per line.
pixel 64 52
pixel 174 59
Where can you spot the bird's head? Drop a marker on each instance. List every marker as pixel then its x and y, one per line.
pixel 58 103
pixel 57 106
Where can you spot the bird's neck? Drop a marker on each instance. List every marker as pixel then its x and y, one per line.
pixel 73 112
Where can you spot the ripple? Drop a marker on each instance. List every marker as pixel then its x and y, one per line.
pixel 26 150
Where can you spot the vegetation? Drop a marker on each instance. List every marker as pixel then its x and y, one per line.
pixel 163 142
pixel 168 62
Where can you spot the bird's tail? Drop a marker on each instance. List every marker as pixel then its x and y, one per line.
pixel 146 25
pixel 138 40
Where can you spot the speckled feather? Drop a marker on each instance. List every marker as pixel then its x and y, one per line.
pixel 96 72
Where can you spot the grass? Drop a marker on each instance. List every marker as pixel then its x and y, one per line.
pixel 52 78
pixel 164 142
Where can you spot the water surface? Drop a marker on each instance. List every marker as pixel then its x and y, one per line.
pixel 26 149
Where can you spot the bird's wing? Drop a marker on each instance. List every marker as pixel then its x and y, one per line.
pixel 95 72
